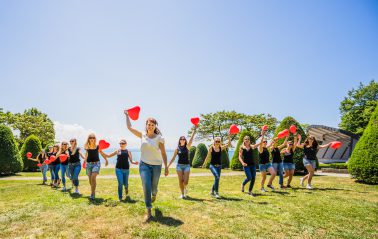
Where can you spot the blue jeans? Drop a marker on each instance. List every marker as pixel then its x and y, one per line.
pixel 44 169
pixel 74 170
pixel 250 172
pixel 216 170
pixel 55 171
pixel 150 175
pixel 123 180
pixel 64 172
pixel 51 172
pixel 278 168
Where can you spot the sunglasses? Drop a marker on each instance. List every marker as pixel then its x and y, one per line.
pixel 122 143
pixel 64 144
pixel 92 138
pixel 290 144
pixel 217 141
pixel 182 139
pixel 72 141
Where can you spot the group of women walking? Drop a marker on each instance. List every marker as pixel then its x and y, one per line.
pixel 153 156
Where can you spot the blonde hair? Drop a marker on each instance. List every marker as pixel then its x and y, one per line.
pixel 73 149
pixel 216 139
pixel 87 143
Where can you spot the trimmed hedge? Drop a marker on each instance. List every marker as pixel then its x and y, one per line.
pixel 298 155
pixel 10 160
pixel 225 159
pixel 33 145
pixel 192 151
pixel 235 163
pixel 363 164
pixel 199 156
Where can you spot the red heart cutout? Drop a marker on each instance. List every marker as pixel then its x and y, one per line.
pixel 52 158
pixel 63 157
pixel 234 129
pixel 285 132
pixel 293 129
pixel 29 155
pixel 195 121
pixel 84 164
pixel 39 165
pixel 134 113
pixel 336 144
pixel 102 144
pixel 280 135
pixel 265 127
pixel 46 161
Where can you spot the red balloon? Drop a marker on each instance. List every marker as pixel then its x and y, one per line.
pixel 195 121
pixel 102 144
pixel 293 129
pixel 134 113
pixel 234 129
pixel 63 157
pixel 46 161
pixel 52 158
pixel 84 164
pixel 29 155
pixel 39 165
pixel 265 127
pixel 336 144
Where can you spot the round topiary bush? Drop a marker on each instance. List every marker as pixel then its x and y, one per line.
pixel 199 156
pixel 192 151
pixel 298 155
pixel 10 160
pixel 235 163
pixel 33 145
pixel 363 164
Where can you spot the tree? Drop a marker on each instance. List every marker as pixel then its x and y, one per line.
pixel 357 108
pixel 33 145
pixel 10 160
pixel 192 151
pixel 32 121
pixel 363 163
pixel 199 156
pixel 298 155
pixel 235 163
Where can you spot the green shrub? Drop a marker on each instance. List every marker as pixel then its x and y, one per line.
pixel 32 144
pixel 224 159
pixel 334 165
pixel 192 151
pixel 363 164
pixel 235 163
pixel 298 155
pixel 199 156
pixel 10 160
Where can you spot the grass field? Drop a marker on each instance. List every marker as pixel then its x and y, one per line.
pixel 338 208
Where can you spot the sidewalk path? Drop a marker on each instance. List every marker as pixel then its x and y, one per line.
pixel 171 175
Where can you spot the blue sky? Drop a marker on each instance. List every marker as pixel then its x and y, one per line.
pixel 83 62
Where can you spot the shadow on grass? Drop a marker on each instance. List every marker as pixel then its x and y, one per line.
pixel 129 200
pixel 230 199
pixel 280 192
pixel 321 189
pixel 194 199
pixel 168 221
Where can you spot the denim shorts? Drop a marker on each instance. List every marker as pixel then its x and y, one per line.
pixel 265 167
pixel 309 162
pixel 183 167
pixel 93 167
pixel 289 166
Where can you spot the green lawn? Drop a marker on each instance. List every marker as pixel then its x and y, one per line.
pixel 338 208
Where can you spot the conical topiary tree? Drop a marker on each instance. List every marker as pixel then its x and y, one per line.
pixel 10 160
pixel 192 151
pixel 33 145
pixel 235 163
pixel 298 155
pixel 363 164
pixel 199 156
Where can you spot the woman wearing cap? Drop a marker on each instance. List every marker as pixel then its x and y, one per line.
pixel 310 149
pixel 122 169
pixel 183 164
pixel 264 164
pixel 153 154
pixel 215 153
pixel 92 159
pixel 74 164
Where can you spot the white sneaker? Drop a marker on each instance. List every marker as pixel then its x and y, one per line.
pixel 77 191
pixel 212 193
pixel 217 195
pixel 64 189
pixel 263 190
pixel 182 196
pixel 301 182
pixel 309 186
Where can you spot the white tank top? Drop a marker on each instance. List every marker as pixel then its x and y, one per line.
pixel 150 151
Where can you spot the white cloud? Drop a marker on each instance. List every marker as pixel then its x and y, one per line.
pixel 64 132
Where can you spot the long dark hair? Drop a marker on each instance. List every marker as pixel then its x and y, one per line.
pixel 314 142
pixel 152 120
pixel 186 142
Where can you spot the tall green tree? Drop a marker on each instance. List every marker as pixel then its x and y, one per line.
pixel 357 108
pixel 31 122
pixel 10 160
pixel 33 145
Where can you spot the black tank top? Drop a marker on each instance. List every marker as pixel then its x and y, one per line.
pixel 248 156
pixel 264 156
pixel 57 161
pixel 123 159
pixel 183 154
pixel 65 162
pixel 216 157
pixel 310 152
pixel 93 155
pixel 288 157
pixel 74 158
pixel 276 155
pixel 42 158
